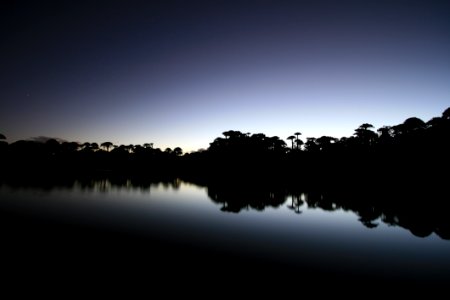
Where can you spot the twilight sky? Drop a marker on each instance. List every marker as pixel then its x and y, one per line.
pixel 179 73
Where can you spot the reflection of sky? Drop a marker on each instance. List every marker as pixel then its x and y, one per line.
pixel 331 239
pixel 182 74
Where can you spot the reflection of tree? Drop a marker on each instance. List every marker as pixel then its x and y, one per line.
pixel 368 215
pixel 296 203
pixel 371 210
pixel 99 184
pixel 236 198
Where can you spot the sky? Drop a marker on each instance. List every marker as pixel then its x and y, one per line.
pixel 179 73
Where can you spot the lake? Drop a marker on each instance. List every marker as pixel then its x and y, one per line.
pixel 177 224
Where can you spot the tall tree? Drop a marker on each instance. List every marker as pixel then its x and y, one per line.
pixel 364 135
pixel 292 138
pixel 297 134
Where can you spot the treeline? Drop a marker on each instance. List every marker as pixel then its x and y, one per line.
pixel 66 158
pixel 413 152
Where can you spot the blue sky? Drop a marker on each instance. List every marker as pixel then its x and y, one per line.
pixel 179 73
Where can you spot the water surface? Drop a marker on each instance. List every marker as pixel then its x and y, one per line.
pixel 300 231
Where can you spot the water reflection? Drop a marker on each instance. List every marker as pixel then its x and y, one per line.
pixel 102 185
pixel 421 214
pixel 239 197
pixel 106 185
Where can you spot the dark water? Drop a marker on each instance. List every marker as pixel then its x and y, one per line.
pixel 185 226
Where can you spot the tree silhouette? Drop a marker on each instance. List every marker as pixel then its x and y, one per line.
pixel 177 151
pixel 446 114
pixel 107 145
pixel 296 136
pixel 311 145
pixel 365 126
pixel 365 136
pixel 276 144
pixel 227 134
pixel 130 148
pixel 230 134
pixel 413 124
pixel 2 137
pixel 436 122
pixel 385 132
pixel 70 147
pixel 292 138
pixel 94 147
pixel 298 143
pixel 324 142
pixel 86 146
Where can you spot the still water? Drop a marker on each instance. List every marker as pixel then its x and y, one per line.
pixel 289 229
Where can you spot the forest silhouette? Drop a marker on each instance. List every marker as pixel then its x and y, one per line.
pixel 411 154
pixel 398 174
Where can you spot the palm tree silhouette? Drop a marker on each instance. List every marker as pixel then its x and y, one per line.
pixel 292 138
pixel 296 135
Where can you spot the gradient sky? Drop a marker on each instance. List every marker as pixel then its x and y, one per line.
pixel 179 73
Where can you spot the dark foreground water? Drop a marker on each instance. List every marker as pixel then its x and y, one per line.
pixel 181 229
